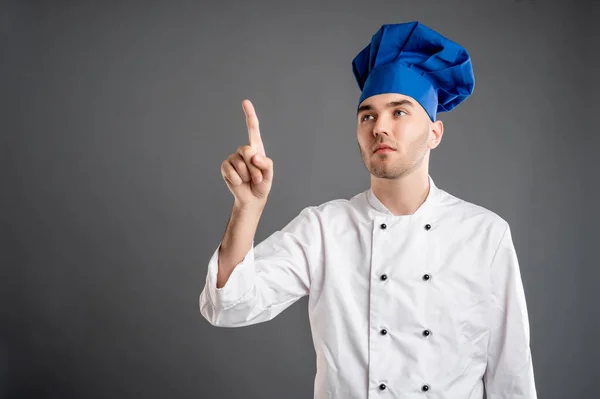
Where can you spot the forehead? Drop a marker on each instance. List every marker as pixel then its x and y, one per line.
pixel 381 100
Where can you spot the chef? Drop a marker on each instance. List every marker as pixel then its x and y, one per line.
pixel 413 292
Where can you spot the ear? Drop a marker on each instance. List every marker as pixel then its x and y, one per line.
pixel 437 131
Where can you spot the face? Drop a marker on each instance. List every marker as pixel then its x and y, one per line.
pixel 401 123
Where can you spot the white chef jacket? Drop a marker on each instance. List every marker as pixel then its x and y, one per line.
pixel 429 305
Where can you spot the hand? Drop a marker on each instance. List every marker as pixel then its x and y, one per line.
pixel 248 172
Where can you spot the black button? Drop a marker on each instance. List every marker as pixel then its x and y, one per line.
pixel 427 226
pixel 383 331
pixel 383 226
pixel 426 277
pixel 425 388
pixel 426 333
pixel 384 276
pixel 382 386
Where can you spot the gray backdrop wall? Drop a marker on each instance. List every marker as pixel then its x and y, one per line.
pixel 116 118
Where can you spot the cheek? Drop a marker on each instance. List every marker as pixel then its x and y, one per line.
pixel 410 132
pixel 362 136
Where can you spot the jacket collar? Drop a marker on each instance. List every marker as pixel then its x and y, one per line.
pixel 424 209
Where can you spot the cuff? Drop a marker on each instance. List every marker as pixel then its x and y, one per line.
pixel 239 284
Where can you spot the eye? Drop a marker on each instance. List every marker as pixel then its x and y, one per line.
pixel 364 118
pixel 399 110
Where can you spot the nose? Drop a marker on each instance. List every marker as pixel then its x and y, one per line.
pixel 381 127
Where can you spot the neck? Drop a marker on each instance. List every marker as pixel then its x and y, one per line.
pixel 405 195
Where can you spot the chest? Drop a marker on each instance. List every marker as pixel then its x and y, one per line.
pixel 429 261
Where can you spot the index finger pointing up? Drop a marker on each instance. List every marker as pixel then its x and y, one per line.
pixel 253 129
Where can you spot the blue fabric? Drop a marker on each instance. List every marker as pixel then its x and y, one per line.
pixel 414 60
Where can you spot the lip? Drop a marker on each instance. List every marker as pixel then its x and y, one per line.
pixel 382 148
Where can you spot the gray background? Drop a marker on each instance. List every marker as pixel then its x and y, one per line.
pixel 116 118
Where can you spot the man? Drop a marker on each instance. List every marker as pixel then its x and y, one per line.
pixel 413 293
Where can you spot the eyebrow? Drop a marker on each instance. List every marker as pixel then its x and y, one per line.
pixel 388 105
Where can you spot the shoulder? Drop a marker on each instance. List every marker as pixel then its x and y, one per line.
pixel 463 212
pixel 338 206
pixel 333 212
pixel 325 211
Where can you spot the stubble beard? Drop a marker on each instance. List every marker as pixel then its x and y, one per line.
pixel 402 166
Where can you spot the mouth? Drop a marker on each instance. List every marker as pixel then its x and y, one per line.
pixel 382 150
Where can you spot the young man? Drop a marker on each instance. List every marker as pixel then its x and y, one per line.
pixel 413 292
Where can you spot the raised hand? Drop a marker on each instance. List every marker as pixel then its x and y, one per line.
pixel 248 172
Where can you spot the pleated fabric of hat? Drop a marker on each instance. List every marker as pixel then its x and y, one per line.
pixel 416 61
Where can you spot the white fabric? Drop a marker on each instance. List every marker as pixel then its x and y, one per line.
pixel 473 303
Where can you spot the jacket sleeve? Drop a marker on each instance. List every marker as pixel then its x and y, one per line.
pixel 272 276
pixel 509 373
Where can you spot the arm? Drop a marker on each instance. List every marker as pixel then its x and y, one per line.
pixel 247 285
pixel 238 240
pixel 509 373
pixel 271 277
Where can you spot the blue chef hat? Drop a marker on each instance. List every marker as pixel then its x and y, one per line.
pixel 414 60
